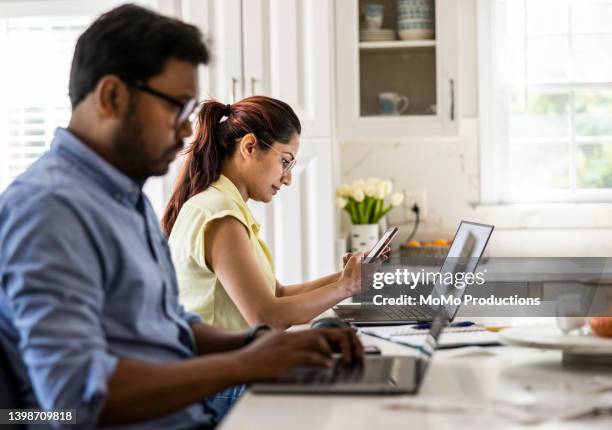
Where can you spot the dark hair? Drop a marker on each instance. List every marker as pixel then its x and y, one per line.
pixel 133 43
pixel 270 120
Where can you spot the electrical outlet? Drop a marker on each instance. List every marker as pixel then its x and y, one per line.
pixel 418 196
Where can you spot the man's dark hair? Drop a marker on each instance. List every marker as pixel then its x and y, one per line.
pixel 133 43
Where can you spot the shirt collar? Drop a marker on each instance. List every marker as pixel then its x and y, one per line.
pixel 225 185
pixel 120 186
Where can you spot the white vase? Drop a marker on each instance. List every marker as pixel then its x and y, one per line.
pixel 363 237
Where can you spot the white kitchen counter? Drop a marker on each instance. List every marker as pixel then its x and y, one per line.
pixel 459 392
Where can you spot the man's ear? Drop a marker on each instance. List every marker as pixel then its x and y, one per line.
pixel 112 97
pixel 248 144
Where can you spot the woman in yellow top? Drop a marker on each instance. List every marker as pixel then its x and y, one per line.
pixel 225 271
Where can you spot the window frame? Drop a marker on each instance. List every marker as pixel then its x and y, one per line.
pixel 493 125
pixel 50 9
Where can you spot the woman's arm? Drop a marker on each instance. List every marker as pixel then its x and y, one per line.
pixel 292 290
pixel 229 254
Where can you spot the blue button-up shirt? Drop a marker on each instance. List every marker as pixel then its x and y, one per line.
pixel 85 279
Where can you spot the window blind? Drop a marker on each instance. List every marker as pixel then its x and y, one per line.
pixel 36 54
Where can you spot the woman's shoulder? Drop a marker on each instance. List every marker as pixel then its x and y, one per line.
pixel 211 201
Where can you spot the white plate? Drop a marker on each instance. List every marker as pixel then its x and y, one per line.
pixel 383 39
pixel 551 337
pixel 416 34
pixel 369 38
pixel 377 34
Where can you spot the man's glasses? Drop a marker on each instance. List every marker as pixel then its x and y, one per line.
pixel 287 164
pixel 185 108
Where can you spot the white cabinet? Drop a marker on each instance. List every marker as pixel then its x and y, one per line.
pixel 424 71
pixel 282 49
pixel 278 48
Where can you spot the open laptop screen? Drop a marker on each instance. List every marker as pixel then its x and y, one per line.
pixel 463 256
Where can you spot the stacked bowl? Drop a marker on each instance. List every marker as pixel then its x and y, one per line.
pixel 415 19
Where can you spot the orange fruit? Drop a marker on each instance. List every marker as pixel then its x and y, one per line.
pixel 414 244
pixel 602 326
pixel 440 242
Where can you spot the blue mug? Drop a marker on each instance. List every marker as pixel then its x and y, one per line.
pixel 374 15
pixel 392 103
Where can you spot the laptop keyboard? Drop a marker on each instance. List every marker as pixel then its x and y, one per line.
pixel 408 313
pixel 341 372
pixel 376 371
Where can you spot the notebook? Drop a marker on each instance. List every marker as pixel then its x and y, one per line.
pixel 451 337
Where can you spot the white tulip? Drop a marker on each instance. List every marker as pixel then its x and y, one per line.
pixel 359 184
pixel 343 190
pixel 397 199
pixel 380 191
pixel 358 195
pixel 388 187
pixel 372 181
pixel 341 202
pixel 370 190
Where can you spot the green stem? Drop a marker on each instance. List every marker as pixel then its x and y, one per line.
pixel 356 212
pixel 350 208
pixel 372 211
pixel 362 209
pixel 369 201
pixel 384 212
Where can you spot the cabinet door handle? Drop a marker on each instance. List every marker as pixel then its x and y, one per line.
pixel 253 80
pixel 234 83
pixel 452 99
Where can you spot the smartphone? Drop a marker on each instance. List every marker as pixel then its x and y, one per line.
pixel 371 350
pixel 380 246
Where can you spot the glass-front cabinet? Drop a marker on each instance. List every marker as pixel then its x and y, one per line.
pixel 397 70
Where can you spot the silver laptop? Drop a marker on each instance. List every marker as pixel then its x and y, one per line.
pixel 376 375
pixel 391 374
pixel 367 313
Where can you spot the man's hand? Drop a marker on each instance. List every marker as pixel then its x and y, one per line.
pixel 273 354
pixel 345 342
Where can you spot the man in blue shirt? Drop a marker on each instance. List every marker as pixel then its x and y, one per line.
pixel 89 315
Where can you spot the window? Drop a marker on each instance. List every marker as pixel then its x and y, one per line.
pixel 36 51
pixel 546 100
pixel 34 84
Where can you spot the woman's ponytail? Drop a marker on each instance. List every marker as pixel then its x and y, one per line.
pixel 203 161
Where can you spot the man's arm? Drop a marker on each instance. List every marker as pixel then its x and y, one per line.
pixel 210 339
pixel 52 280
pixel 139 391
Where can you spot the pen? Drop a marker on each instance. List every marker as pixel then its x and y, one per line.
pixel 426 326
pixel 495 328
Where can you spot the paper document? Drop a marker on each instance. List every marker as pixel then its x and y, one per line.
pixel 451 337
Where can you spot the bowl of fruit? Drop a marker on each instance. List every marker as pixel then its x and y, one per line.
pixel 424 252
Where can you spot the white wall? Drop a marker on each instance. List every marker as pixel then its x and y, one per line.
pixel 449 172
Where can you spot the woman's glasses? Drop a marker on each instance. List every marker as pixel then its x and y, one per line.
pixel 287 164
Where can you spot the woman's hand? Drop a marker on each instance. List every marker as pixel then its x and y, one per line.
pixel 350 278
pixel 383 257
